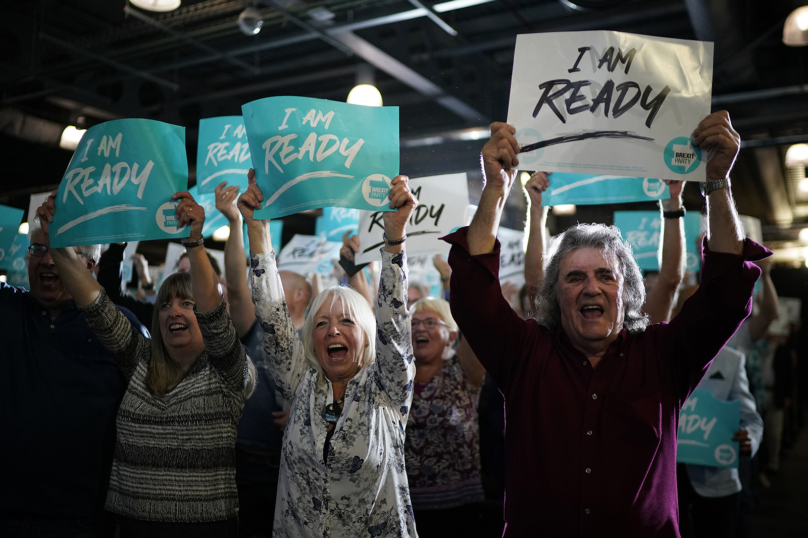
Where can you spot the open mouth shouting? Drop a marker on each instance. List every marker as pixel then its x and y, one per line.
pixel 48 278
pixel 592 311
pixel 337 351
pixel 177 328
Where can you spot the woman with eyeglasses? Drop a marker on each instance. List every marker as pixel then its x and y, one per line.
pixel 350 386
pixel 443 445
pixel 173 472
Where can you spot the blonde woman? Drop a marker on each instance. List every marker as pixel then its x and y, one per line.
pixel 173 474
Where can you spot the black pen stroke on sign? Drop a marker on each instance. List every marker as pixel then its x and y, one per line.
pixel 582 136
pixel 413 234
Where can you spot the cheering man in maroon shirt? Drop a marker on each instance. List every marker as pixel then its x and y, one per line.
pixel 592 391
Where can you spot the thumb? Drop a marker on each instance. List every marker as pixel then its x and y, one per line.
pixel 251 177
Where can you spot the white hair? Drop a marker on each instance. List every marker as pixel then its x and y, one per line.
pixel 357 309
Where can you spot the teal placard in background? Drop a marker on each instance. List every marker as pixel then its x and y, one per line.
pixel 15 262
pixel 223 153
pixel 214 219
pixel 119 183
pixel 311 153
pixel 10 219
pixel 643 231
pixel 588 189
pixel 335 222
pixel 706 427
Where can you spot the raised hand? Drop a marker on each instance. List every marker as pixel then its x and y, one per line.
pixel 499 156
pixel 350 246
pixel 226 201
pixel 443 267
pixel 46 211
pixel 190 213
pixel 537 184
pixel 251 199
pixel 395 222
pixel 721 143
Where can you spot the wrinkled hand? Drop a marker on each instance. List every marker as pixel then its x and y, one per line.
pixel 190 213
pixel 537 184
pixel 499 157
pixel 45 213
pixel 443 267
pixel 402 199
pixel 720 142
pixel 251 199
pixel 744 441
pixel 281 419
pixel 350 246
pixel 226 201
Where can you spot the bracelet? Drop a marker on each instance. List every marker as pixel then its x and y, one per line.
pixel 393 241
pixel 674 214
pixel 187 243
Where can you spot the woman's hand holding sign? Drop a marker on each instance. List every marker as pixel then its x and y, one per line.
pixel 190 213
pixel 395 222
pixel 257 230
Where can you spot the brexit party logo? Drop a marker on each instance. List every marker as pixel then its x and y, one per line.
pixel 681 156
pixel 376 189
pixel 167 218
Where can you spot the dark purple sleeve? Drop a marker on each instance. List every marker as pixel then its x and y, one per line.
pixel 711 316
pixel 497 335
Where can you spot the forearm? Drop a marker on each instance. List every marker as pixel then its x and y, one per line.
pixel 77 279
pixel 260 238
pixel 534 254
pixel 115 332
pixel 238 292
pixel 204 282
pixel 359 283
pixel 671 271
pixel 482 233
pixel 725 233
pixel 222 345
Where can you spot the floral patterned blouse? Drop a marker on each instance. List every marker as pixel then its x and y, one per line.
pixel 443 441
pixel 362 489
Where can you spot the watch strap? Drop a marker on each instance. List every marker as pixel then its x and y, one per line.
pixel 674 214
pixel 708 187
pixel 187 243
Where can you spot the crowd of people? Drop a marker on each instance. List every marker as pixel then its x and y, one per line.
pixel 254 405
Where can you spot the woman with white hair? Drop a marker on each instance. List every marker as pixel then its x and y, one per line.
pixel 443 440
pixel 350 387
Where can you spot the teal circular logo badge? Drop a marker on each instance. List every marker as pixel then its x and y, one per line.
pixel 681 156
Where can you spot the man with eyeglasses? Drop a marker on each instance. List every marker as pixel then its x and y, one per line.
pixel 59 395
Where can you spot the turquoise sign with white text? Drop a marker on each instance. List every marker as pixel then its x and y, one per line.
pixel 10 218
pixel 119 183
pixel 312 153
pixel 641 230
pixel 706 428
pixel 15 261
pixel 223 153
pixel 588 189
pixel 335 222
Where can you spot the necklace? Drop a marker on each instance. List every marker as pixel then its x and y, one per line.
pixel 332 411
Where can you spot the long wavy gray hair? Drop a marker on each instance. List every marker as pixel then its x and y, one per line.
pixel 608 240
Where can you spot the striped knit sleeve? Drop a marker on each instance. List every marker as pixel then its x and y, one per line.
pixel 223 347
pixel 116 333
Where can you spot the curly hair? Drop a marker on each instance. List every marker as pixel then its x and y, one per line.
pixel 608 240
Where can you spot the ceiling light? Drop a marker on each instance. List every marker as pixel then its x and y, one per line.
pixel 221 234
pixel 803 185
pixel 321 14
pixel 365 94
pixel 458 4
pixel 156 5
pixel 474 134
pixel 795 29
pixel 797 155
pixel 71 137
pixel 250 21
pixel 23 229
pixel 803 237
pixel 564 209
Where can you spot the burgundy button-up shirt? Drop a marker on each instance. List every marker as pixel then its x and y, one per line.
pixel 592 451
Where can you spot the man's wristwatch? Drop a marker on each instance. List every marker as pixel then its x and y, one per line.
pixel 189 243
pixel 709 187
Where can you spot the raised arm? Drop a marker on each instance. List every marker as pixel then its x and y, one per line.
pixel 284 351
pixel 659 301
pixel 536 229
pixel 767 302
pixel 720 143
pixel 469 363
pixel 350 246
pixel 394 359
pixel 242 311
pixel 499 172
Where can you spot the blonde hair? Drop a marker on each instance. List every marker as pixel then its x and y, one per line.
pixel 439 307
pixel 358 310
pixel 163 372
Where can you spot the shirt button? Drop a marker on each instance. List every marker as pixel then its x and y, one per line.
pixel 586 511
pixel 584 363
pixel 588 470
pixel 594 396
pixel 621 354
pixel 53 326
pixel 589 432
